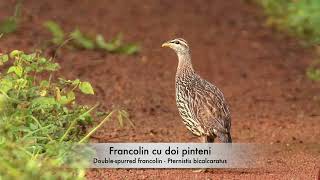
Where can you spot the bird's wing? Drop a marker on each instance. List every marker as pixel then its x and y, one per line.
pixel 210 107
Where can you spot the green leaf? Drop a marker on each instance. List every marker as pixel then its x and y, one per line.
pixel 313 74
pixel 5 85
pixel 71 96
pixel 16 69
pixel 28 57
pixel 44 84
pixel 56 31
pixel 101 43
pixel 116 45
pixel 33 126
pixel 42 60
pixel 63 100
pixel 129 49
pixel 3 103
pixel 67 99
pixel 43 102
pixel 86 88
pixel 52 67
pixel 21 83
pixel 76 82
pixel 3 58
pixel 15 53
pixel 117 41
pixel 81 40
pixel 8 25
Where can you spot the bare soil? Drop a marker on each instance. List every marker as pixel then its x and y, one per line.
pixel 260 71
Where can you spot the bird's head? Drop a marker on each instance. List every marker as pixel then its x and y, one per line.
pixel 179 45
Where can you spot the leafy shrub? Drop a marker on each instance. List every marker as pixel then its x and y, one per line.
pixel 301 18
pixel 40 119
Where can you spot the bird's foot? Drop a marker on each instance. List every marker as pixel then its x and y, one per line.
pixel 202 170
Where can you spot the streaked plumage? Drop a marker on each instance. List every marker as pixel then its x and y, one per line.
pixel 201 105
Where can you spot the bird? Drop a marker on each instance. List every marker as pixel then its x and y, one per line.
pixel 202 106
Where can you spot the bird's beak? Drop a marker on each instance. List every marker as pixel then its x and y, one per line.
pixel 166 44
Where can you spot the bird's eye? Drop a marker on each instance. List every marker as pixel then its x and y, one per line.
pixel 176 42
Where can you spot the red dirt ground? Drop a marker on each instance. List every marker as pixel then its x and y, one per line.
pixel 260 71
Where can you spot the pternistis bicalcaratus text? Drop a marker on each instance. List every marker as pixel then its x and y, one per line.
pixel 201 105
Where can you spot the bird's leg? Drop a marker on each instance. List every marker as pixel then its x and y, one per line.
pixel 207 139
pixel 210 139
pixel 204 139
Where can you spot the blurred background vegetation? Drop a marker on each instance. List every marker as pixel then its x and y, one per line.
pixel 299 18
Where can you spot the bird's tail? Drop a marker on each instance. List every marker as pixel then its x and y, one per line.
pixel 225 137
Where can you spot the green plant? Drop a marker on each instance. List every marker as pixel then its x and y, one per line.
pixel 313 71
pixel 40 120
pixel 17 162
pixel 83 41
pixel 10 24
pixel 116 45
pixel 56 31
pixel 300 18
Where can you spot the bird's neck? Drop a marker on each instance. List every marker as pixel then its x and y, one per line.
pixel 184 66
